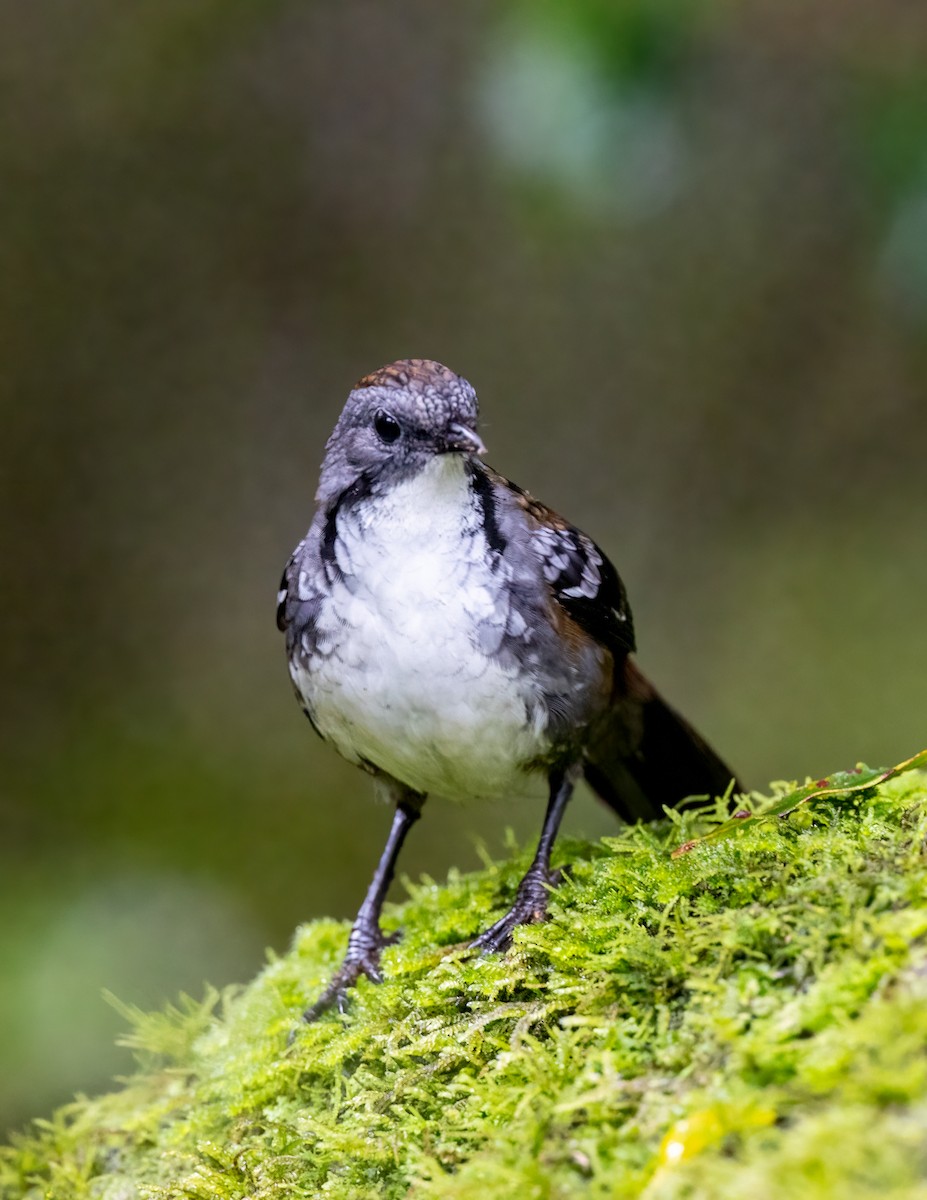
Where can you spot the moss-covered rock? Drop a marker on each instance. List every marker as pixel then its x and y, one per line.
pixel 748 1018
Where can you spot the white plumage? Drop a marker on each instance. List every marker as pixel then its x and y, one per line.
pixel 399 678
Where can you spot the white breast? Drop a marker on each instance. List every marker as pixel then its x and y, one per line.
pixel 405 683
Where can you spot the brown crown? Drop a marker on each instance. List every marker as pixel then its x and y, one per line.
pixel 419 372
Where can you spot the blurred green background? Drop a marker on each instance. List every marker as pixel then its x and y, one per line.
pixel 681 251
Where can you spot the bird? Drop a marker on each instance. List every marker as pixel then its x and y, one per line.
pixel 453 636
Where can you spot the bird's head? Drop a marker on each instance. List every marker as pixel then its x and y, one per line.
pixel 396 420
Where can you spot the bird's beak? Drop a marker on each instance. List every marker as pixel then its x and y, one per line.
pixel 465 440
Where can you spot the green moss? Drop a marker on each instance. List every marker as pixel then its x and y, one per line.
pixel 746 1018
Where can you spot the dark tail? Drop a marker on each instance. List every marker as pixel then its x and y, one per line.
pixel 649 757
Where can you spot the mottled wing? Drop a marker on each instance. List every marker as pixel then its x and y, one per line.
pixel 582 579
pixel 299 597
pixel 299 602
pixel 284 592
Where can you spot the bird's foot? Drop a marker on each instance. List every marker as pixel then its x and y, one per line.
pixel 363 958
pixel 530 907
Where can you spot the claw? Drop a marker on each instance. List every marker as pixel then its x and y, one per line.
pixel 529 908
pixel 362 958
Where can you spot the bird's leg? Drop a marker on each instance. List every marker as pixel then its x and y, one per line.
pixel 534 890
pixel 367 939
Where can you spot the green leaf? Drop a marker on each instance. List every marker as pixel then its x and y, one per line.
pixel 842 785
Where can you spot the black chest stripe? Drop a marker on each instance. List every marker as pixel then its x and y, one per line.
pixel 359 490
pixel 482 485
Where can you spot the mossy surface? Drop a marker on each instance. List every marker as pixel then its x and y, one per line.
pixel 747 1018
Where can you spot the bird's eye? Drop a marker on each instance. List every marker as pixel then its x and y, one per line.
pixel 387 427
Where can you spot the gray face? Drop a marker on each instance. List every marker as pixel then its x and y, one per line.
pixel 395 421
